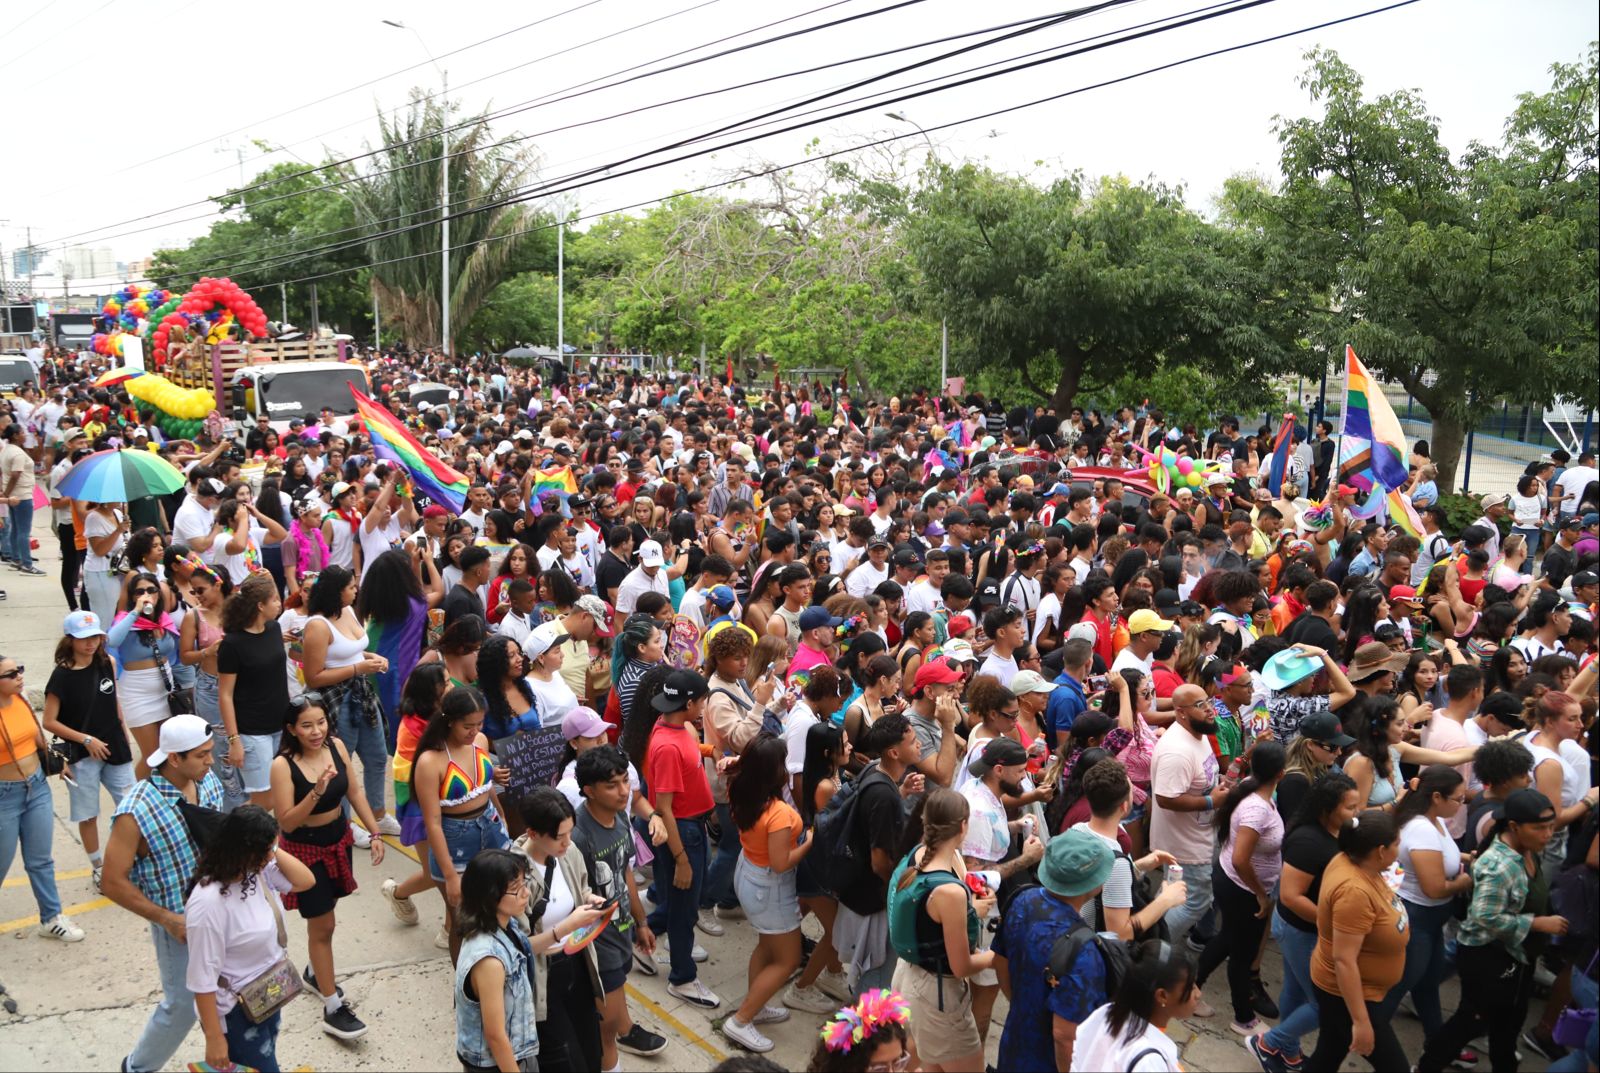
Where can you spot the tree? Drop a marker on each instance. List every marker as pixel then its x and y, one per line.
pixel 1468 282
pixel 1073 288
pixel 400 189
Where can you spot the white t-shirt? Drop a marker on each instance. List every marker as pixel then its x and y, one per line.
pixel 569 785
pixel 1572 482
pixel 1001 667
pixel 988 836
pixel 561 901
pixel 1098 1050
pixel 232 938
pixel 1526 511
pixel 375 540
pixel 554 699
pixel 1049 615
pixel 1128 660
pixel 98 525
pixel 923 596
pixel 1424 834
pixel 192 520
pixel 237 566
pixel 1182 764
pixel 1118 890
pixel 796 725
pixel 864 578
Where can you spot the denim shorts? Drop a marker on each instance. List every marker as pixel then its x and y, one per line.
pixel 467 837
pixel 91 774
pixel 259 752
pixel 767 897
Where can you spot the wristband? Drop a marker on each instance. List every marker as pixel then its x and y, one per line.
pixel 1210 804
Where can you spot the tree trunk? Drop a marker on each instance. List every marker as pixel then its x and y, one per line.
pixel 1067 386
pixel 1449 432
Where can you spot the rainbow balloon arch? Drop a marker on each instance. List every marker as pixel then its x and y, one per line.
pixel 215 307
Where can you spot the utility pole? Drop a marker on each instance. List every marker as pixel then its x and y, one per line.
pixel 444 209
pixel 283 294
pixel 561 287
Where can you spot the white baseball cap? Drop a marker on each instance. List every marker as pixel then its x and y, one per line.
pixel 178 735
pixel 650 554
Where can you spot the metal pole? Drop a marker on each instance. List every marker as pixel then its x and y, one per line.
pixel 1466 469
pixel 944 353
pixel 1322 399
pixel 283 293
pixel 444 212
pixel 316 320
pixel 375 324
pixel 561 287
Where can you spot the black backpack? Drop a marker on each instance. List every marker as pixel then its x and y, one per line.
pixel 833 860
pixel 1141 898
pixel 1064 954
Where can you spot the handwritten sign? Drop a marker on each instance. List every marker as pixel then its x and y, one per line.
pixel 534 757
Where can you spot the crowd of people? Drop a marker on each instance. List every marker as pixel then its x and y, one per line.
pixel 946 678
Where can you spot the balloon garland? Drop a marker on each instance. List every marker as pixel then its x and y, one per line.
pixel 215 302
pixel 125 313
pixel 181 412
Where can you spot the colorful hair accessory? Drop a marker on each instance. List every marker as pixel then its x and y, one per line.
pixel 1035 548
pixel 852 1024
pixel 198 565
pixel 1317 518
pixel 851 625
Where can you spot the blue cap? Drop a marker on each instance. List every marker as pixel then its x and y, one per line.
pixel 722 596
pixel 82 624
pixel 814 617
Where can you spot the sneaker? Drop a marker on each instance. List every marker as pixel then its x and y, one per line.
pixel 404 909
pixel 1270 1060
pixel 771 1015
pixel 310 977
pixel 94 878
pixel 441 938
pixel 645 963
pixel 1481 1044
pixel 34 570
pixel 1542 976
pixel 696 992
pixel 835 984
pixel 746 1036
pixel 809 999
pixel 707 922
pixel 59 927
pixel 664 953
pixel 343 1023
pixel 641 1041
pixel 731 913
pixel 363 837
pixel 1467 1059
pixel 1204 1008
pixel 1246 1028
pixel 1543 1045
pixel 1262 1002
pixel 389 826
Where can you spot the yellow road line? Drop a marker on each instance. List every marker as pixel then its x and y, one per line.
pixel 71 911
pixel 672 1022
pixel 22 880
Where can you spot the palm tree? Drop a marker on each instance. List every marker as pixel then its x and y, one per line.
pixel 400 189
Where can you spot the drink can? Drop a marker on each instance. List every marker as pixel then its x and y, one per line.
pixel 1174 873
pixel 436 617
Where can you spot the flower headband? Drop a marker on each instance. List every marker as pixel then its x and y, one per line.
pixel 198 565
pixel 852 1024
pixel 1035 548
pixel 850 625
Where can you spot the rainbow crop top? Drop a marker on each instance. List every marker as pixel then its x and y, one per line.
pixel 458 786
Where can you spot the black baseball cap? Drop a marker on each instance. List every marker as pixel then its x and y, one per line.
pixel 999 752
pixel 1325 729
pixel 1527 806
pixel 679 689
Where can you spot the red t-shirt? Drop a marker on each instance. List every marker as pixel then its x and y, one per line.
pixel 673 766
pixel 1166 681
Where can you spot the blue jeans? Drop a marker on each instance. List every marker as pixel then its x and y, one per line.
pixel 1182 918
pixel 207 707
pixel 26 817
pixel 1297 1002
pixel 677 910
pixel 252 1045
pixel 368 743
pixel 173 1016
pixel 719 880
pixel 1425 963
pixel 19 531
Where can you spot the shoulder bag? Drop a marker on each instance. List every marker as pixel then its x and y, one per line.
pixel 275 988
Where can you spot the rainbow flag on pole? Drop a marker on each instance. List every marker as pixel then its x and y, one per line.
pixel 1280 455
pixel 392 443
pixel 1372 453
pixel 559 479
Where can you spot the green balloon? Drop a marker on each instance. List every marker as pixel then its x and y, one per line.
pixel 159 314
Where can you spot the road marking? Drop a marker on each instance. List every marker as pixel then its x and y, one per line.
pixel 672 1022
pixel 71 911
pixel 638 996
pixel 22 880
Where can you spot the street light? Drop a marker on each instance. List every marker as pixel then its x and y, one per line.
pixel 944 324
pixel 444 185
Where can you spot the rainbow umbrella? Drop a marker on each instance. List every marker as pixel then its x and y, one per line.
pixel 116 376
pixel 118 476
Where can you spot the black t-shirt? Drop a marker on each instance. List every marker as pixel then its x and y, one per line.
pixel 609 574
pixel 89 705
pixel 1309 629
pixel 460 602
pixel 880 824
pixel 1311 849
pixel 261 691
pixel 1558 564
pixel 1291 795
pixel 504 524
pixel 607 855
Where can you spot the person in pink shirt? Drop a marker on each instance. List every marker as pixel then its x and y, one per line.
pixel 816 641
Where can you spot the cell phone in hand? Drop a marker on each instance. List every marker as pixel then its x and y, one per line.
pixel 1097 682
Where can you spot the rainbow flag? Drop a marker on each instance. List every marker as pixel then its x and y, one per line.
pixel 392 443
pixel 1403 514
pixel 1372 453
pixel 556 480
pixel 1280 455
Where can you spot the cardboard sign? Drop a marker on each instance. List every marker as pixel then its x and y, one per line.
pixel 534 757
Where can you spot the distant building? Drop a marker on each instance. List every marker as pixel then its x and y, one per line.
pixel 89 262
pixel 26 261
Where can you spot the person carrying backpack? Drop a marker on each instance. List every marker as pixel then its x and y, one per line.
pixel 1053 969
pixel 934 927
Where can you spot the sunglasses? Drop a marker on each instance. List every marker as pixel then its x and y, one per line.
pixel 146 592
pixel 17 673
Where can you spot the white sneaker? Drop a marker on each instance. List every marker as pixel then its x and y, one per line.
pixel 59 927
pixel 94 879
pixel 808 999
pixel 404 909
pixel 770 1015
pixel 363 837
pixel 697 992
pixel 441 938
pixel 836 985
pixel 664 953
pixel 746 1036
pixel 707 922
pixel 389 826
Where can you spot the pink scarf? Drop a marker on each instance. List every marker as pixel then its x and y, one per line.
pixel 305 562
pixel 165 624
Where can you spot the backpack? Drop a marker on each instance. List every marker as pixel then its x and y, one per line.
pixel 1064 954
pixel 683 644
pixel 905 905
pixel 1141 898
pixel 771 718
pixel 833 859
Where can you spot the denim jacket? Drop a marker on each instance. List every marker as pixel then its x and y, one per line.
pixel 514 955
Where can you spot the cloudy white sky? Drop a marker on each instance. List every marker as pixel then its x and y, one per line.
pixel 204 81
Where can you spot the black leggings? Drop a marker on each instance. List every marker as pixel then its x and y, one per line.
pixel 1237 940
pixel 569 1038
pixel 1494 995
pixel 71 564
pixel 1335 1029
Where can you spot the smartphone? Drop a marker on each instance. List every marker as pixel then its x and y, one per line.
pixel 1097 682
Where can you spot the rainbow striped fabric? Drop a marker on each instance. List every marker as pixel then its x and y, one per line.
pixel 1372 451
pixel 1280 455
pixel 392 443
